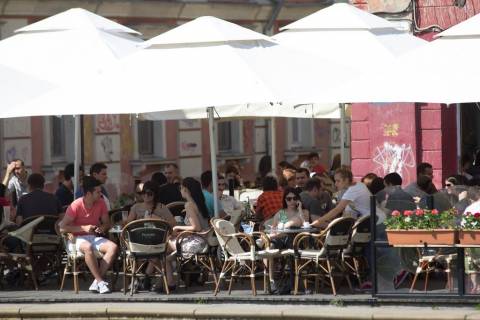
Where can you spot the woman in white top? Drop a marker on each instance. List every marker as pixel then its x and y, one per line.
pixel 355 201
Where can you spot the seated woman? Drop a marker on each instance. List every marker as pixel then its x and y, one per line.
pixel 150 207
pixel 196 220
pixel 355 201
pixel 291 215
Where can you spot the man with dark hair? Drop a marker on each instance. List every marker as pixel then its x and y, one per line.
pixel 64 192
pixel 98 171
pixel 207 188
pixel 314 163
pixel 270 201
pixel 16 180
pixel 315 200
pixel 394 196
pixel 423 169
pixel 37 201
pixel 301 178
pixel 171 172
pixel 86 218
pixel 167 192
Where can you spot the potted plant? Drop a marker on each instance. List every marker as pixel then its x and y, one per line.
pixel 421 226
pixel 469 232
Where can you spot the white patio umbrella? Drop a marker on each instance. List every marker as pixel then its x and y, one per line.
pixel 204 63
pixel 63 49
pixel 341 32
pixel 18 87
pixel 446 69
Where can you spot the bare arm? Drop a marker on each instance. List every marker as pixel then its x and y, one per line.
pixel 332 214
pixel 66 226
pixel 105 224
pixel 9 171
pixel 193 218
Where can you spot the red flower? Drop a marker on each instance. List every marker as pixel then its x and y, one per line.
pixel 419 212
pixel 407 213
pixel 395 213
pixel 434 212
pixel 477 215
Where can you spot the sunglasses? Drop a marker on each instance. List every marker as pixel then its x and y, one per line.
pixel 291 198
pixel 448 185
pixel 148 193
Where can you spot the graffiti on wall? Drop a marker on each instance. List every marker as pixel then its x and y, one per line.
pixel 107 123
pixel 392 157
pixel 18 149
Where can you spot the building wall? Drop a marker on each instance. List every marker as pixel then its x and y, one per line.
pixel 425 132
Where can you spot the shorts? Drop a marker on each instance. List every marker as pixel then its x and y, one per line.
pixel 93 239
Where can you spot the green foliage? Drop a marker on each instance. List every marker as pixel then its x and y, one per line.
pixel 421 219
pixel 471 221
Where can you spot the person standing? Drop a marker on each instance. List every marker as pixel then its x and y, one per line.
pixel 16 180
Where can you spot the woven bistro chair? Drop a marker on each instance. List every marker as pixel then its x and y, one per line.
pixel 75 260
pixel 202 262
pixel 325 256
pixel 46 247
pixel 23 260
pixel 144 241
pixel 354 255
pixel 239 260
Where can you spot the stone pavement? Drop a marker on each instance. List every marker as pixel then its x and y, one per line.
pixel 229 311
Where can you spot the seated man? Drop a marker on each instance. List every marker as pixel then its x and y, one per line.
pixel 87 217
pixel 37 202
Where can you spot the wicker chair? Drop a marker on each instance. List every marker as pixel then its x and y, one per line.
pixel 24 260
pixel 327 254
pixel 237 259
pixel 202 262
pixel 144 241
pixel 354 255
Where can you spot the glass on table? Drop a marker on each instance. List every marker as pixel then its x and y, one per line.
pixel 247 227
pixel 124 216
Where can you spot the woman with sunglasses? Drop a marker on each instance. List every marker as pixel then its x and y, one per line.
pixel 292 214
pixel 150 207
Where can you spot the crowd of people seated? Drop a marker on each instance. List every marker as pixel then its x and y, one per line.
pixel 292 197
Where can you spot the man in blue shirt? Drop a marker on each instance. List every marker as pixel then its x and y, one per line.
pixel 206 180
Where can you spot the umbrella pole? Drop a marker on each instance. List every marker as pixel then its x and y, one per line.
pixel 342 134
pixel 459 138
pixel 78 151
pixel 213 158
pixel 274 145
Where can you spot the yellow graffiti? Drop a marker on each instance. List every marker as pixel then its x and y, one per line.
pixel 390 130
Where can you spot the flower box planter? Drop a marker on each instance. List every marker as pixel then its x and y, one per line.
pixel 421 237
pixel 469 237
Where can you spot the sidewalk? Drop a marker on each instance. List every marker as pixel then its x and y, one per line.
pixel 229 311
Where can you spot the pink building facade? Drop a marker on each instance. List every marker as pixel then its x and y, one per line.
pixel 397 137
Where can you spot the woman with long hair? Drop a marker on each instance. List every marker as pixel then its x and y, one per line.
pixel 196 220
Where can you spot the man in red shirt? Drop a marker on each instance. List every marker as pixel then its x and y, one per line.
pixel 86 218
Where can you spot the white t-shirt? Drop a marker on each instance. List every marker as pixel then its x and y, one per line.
pixel 359 195
pixel 473 208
